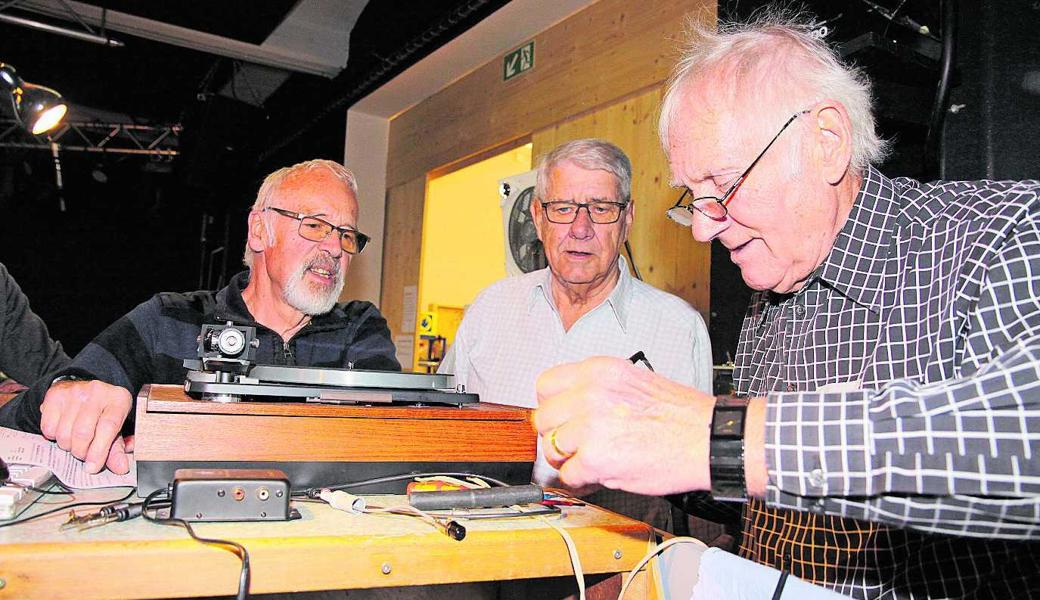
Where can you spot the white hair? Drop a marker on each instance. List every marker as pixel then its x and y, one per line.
pixel 590 154
pixel 776 60
pixel 274 180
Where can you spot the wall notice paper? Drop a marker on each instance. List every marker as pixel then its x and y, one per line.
pixel 405 350
pixel 409 306
pixel 18 447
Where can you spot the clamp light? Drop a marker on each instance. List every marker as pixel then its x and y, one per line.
pixel 37 108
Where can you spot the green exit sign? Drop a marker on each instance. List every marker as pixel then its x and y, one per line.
pixel 518 61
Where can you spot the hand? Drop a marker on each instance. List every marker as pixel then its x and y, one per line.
pixel 623 427
pixel 85 417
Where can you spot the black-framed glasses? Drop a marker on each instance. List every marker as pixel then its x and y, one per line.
pixel 564 212
pixel 316 230
pixel 714 207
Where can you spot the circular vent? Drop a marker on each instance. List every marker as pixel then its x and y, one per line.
pixel 524 244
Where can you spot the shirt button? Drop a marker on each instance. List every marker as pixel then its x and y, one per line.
pixel 792 388
pixel 816 478
pixel 817 507
pixel 799 311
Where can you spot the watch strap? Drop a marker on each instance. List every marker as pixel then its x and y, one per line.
pixel 726 449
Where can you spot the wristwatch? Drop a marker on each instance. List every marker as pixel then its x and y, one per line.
pixel 726 453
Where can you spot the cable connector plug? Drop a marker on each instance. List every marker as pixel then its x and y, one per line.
pixel 113 513
pixel 123 511
pixel 341 500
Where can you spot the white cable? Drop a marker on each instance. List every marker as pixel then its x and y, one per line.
pixel 654 552
pixel 572 549
pixel 403 509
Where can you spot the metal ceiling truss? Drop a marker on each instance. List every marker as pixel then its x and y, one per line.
pixel 157 141
pixel 157 31
pixel 87 34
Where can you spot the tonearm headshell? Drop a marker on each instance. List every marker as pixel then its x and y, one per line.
pixel 226 371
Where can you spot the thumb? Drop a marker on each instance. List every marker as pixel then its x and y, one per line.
pixel 118 462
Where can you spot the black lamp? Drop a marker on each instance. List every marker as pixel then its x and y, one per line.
pixel 37 108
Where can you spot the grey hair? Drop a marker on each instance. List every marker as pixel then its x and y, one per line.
pixel 776 49
pixel 274 180
pixel 591 154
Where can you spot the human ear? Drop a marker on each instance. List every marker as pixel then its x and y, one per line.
pixel 257 233
pixel 627 217
pixel 536 217
pixel 832 135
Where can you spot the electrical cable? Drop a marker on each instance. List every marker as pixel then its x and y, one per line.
pixel 234 547
pixel 572 551
pixel 63 492
pixel 63 508
pixel 934 137
pixel 654 552
pixel 632 261
pixel 891 18
pixel 448 527
pixel 315 491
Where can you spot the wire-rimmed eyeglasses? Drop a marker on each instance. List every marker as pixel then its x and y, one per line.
pixel 316 230
pixel 601 212
pixel 714 207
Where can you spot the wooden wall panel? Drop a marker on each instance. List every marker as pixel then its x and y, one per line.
pixel 597 74
pixel 591 59
pixel 667 255
pixel 402 246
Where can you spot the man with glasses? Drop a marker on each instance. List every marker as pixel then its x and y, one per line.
pixel 886 439
pixel 584 304
pixel 302 235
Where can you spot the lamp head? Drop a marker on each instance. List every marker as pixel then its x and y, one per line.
pixel 37 108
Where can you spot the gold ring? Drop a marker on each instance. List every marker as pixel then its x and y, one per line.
pixel 555 446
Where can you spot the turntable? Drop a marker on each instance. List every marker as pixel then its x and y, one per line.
pixel 320 426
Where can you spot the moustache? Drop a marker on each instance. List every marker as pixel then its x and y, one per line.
pixel 325 262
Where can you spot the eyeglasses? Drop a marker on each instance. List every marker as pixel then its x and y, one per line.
pixel 316 230
pixel 565 212
pixel 714 207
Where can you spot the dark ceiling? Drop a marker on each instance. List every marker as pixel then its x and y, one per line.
pixel 152 82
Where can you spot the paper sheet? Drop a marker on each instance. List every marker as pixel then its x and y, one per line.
pixel 405 350
pixel 409 306
pixel 18 447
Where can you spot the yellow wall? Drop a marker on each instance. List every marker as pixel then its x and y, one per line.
pixel 597 73
pixel 463 243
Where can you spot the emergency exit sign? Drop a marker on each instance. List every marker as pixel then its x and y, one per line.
pixel 518 61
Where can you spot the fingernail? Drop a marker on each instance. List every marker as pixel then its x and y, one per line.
pixel 93 467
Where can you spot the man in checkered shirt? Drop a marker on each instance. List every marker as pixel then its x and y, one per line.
pixel 891 445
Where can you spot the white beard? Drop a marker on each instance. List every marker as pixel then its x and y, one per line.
pixel 312 299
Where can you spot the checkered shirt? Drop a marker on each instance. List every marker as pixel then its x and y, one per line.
pixel 927 313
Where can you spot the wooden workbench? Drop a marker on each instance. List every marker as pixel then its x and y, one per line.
pixel 326 549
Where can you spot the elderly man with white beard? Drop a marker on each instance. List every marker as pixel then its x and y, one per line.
pixel 302 235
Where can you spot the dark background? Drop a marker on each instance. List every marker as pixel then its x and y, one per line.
pixel 134 226
pixel 157 225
